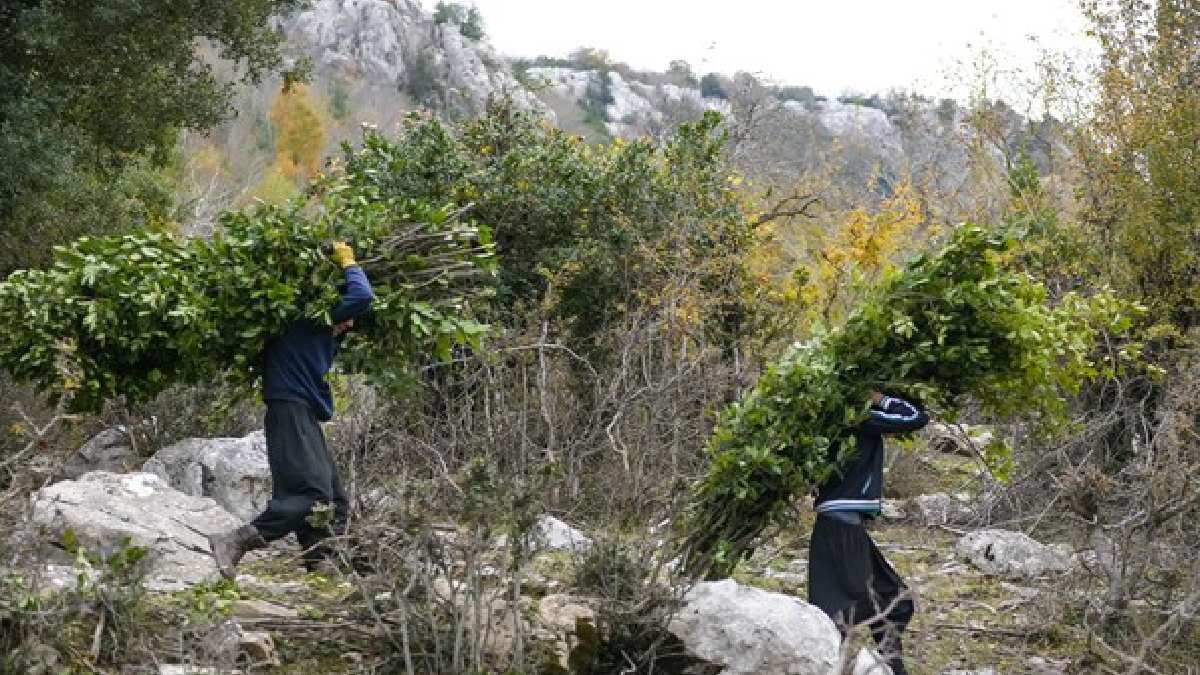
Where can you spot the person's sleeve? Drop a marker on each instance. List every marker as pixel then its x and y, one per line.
pixel 894 416
pixel 356 296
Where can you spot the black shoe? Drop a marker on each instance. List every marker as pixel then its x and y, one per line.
pixel 229 547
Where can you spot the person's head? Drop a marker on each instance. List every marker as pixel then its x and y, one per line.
pixel 341 328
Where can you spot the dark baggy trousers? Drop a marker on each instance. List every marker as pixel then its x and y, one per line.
pixel 849 579
pixel 303 474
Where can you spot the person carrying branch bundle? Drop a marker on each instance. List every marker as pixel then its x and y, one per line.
pixel 298 399
pixel 848 577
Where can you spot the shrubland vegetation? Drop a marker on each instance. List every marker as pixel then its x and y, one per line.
pixel 641 288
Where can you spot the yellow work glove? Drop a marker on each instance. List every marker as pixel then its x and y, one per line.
pixel 342 255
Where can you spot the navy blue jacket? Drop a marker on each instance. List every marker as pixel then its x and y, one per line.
pixel 859 487
pixel 297 360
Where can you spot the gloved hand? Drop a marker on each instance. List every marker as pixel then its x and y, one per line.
pixel 342 255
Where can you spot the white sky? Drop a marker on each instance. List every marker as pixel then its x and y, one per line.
pixel 833 46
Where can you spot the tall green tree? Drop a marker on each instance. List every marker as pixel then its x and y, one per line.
pixel 92 95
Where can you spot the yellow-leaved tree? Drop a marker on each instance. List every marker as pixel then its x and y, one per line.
pixel 1141 155
pixel 852 256
pixel 299 133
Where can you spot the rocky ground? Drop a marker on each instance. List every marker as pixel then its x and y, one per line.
pixel 989 599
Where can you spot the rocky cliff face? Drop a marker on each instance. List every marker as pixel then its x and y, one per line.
pixel 397 43
pixel 886 142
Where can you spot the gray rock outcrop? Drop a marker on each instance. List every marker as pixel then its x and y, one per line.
pixel 748 631
pixel 634 106
pixel 109 450
pixel 396 42
pixel 232 471
pixel 102 509
pixel 859 121
pixel 1013 555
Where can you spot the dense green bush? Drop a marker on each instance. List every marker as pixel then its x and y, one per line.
pixel 955 323
pixel 593 231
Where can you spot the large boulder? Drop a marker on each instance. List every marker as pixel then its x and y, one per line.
pixel 232 471
pixel 749 631
pixel 1013 555
pixel 102 509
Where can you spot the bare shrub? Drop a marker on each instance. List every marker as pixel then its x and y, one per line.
pixel 637 597
pixel 198 411
pixel 1125 490
pixel 99 619
pixel 448 481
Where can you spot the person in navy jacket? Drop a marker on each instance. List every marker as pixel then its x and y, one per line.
pixel 848 577
pixel 298 399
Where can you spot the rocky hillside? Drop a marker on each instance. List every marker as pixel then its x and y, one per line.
pixel 375 60
pixel 140 526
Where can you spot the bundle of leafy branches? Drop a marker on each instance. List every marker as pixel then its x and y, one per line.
pixel 955 323
pixel 127 316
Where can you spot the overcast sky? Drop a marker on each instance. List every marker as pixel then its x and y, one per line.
pixel 831 45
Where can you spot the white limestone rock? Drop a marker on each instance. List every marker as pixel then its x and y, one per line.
pixel 555 535
pixel 1013 555
pixel 386 42
pixel 628 105
pixel 261 609
pixel 869 662
pixel 567 82
pixel 365 37
pixel 748 631
pixel 102 509
pixel 940 508
pixel 871 124
pixel 232 471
